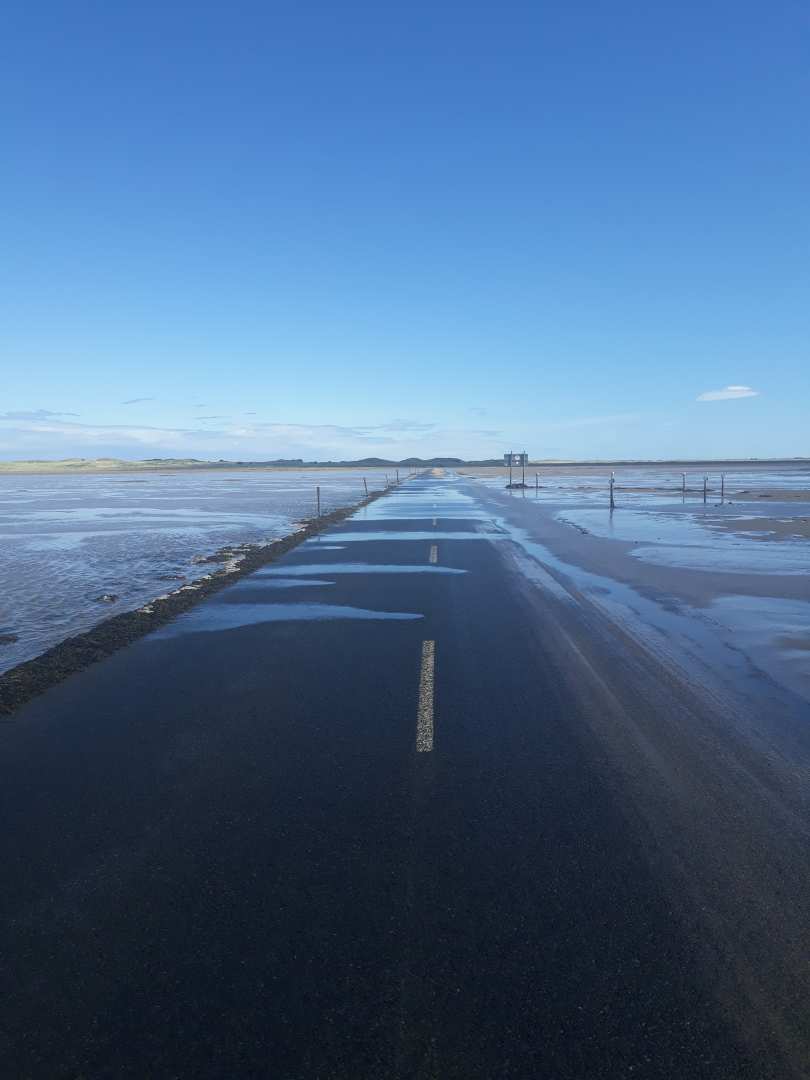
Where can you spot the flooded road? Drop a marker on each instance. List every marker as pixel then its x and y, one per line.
pixel 433 796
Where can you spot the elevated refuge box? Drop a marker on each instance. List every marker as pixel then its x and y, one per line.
pixel 516 461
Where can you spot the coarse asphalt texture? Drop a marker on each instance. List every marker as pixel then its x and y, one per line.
pixel 388 809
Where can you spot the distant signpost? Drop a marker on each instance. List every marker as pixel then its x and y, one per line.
pixel 515 461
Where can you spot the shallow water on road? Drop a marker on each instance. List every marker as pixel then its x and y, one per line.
pixel 420 534
pixel 297 569
pixel 213 618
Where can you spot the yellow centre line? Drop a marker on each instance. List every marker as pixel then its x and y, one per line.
pixel 424 711
pixel 434 554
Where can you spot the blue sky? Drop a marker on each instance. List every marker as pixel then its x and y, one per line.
pixel 332 230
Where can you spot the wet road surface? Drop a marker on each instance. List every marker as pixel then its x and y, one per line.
pixel 391 808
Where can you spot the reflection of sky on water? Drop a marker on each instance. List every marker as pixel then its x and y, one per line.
pixel 250 584
pixel 218 617
pixel 732 556
pixel 774 632
pixel 296 570
pixel 413 534
pixel 695 539
pixel 442 497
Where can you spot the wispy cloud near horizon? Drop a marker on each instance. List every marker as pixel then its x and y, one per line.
pixel 43 435
pixel 34 414
pixel 137 400
pixel 728 393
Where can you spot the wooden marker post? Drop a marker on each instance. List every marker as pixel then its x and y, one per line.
pixel 365 486
pixel 612 482
pixel 318 497
pixel 705 487
pixel 683 485
pixel 536 482
pixel 722 487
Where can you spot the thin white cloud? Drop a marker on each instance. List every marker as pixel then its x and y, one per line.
pixel 34 414
pixel 728 393
pixel 396 426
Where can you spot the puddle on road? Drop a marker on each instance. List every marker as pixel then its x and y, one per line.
pixel 424 505
pixel 427 534
pixel 276 583
pixel 214 618
pixel 354 568
pixel 424 513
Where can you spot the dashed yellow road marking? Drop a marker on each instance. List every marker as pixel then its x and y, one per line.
pixel 424 712
pixel 434 553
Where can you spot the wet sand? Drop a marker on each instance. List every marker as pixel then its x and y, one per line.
pixel 764 528
pixel 98 466
pixel 775 495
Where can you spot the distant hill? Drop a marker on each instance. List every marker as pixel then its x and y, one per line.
pixel 99 465
pixel 107 465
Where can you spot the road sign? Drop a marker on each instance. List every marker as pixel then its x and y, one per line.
pixel 515 460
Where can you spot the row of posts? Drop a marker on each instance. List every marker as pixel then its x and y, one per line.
pixel 683 487
pixel 388 483
pixel 613 485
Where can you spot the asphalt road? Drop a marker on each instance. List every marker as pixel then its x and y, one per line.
pixel 438 822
